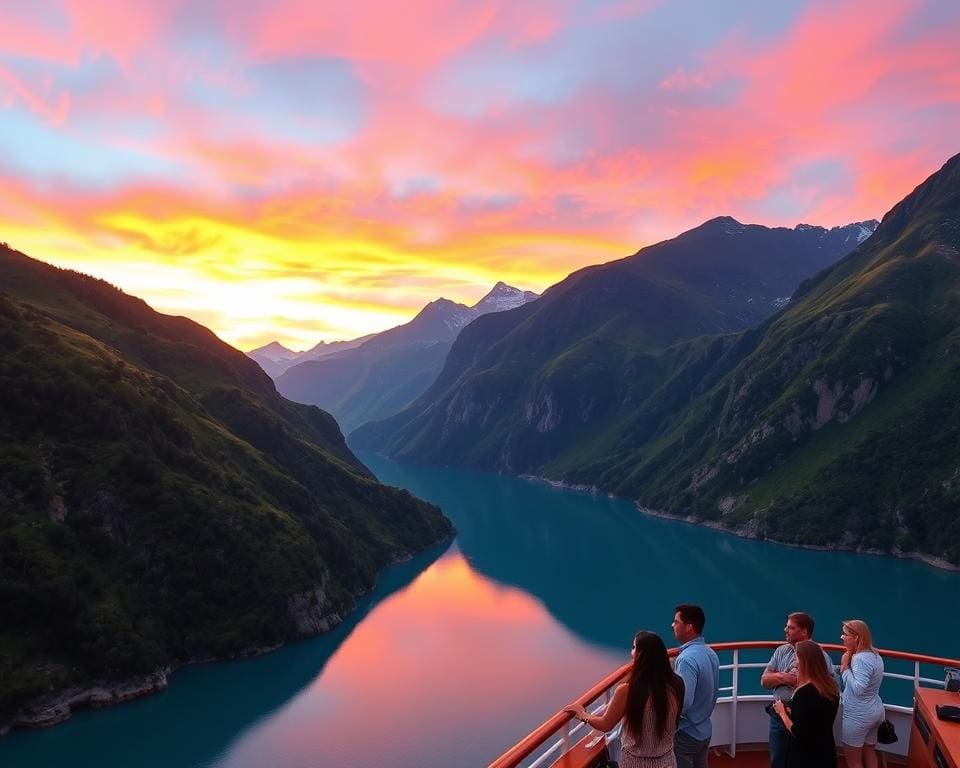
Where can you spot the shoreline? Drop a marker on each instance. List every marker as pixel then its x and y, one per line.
pixel 745 533
pixel 742 533
pixel 51 709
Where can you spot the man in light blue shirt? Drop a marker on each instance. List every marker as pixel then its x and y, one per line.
pixel 699 667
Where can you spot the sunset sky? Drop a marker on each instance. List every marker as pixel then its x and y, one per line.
pixel 302 170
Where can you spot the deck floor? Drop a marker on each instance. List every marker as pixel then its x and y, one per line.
pixel 756 758
pixel 751 759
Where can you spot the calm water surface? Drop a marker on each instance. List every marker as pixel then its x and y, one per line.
pixel 459 653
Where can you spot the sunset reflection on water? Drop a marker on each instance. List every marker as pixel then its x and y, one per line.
pixel 454 646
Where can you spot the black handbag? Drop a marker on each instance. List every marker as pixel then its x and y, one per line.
pixel 948 712
pixel 886 733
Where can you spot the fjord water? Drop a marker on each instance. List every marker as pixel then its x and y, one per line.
pixel 459 653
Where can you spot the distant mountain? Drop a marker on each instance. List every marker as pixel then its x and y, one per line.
pixel 274 352
pixel 528 390
pixel 324 348
pixel 275 358
pixel 833 422
pixel 390 369
pixel 159 501
pixel 442 320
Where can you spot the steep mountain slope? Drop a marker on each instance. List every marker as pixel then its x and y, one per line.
pixel 833 423
pixel 838 425
pixel 392 368
pixel 540 387
pixel 159 501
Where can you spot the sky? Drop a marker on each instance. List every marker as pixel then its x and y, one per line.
pixel 303 170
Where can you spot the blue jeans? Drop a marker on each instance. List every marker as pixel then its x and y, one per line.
pixel 779 739
pixel 689 752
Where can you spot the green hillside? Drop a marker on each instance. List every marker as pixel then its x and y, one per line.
pixel 840 427
pixel 831 423
pixel 159 501
pixel 544 387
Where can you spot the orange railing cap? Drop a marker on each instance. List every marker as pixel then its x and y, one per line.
pixel 528 745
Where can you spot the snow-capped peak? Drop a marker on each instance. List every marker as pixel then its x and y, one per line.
pixel 865 229
pixel 503 297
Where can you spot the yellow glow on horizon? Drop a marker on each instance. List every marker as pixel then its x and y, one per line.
pixel 251 286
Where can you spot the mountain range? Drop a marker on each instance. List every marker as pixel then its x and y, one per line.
pixel 520 388
pixel 160 502
pixel 275 358
pixel 390 369
pixel 831 422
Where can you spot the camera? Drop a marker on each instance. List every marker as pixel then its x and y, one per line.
pixel 771 711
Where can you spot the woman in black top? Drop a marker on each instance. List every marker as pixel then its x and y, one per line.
pixel 809 717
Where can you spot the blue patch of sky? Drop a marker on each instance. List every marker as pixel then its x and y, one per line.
pixel 833 174
pixel 411 186
pixel 33 147
pixel 626 56
pixel 921 129
pixel 790 200
pixel 566 205
pixel 622 62
pixel 487 203
pixel 321 99
pixel 48 13
pixel 307 100
pixel 780 204
pixel 930 18
pixel 89 76
pixel 92 76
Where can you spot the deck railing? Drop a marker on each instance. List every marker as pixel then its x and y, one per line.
pixel 556 736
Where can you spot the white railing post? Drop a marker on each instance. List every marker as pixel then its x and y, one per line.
pixel 736 684
pixel 916 674
pixel 566 738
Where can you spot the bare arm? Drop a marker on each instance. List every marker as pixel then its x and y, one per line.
pixel 784 713
pixel 773 679
pixel 612 715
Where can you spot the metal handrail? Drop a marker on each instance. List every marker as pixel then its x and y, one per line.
pixel 562 720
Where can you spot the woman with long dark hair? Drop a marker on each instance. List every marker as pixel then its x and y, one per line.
pixel 649 704
pixel 809 716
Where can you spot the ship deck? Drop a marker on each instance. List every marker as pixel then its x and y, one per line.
pixel 740 724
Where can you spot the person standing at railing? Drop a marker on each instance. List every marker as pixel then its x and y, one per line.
pixel 649 705
pixel 699 667
pixel 781 675
pixel 861 669
pixel 809 717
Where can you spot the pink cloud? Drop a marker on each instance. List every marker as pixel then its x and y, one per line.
pixel 416 34
pixel 29 38
pixel 119 30
pixel 53 108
